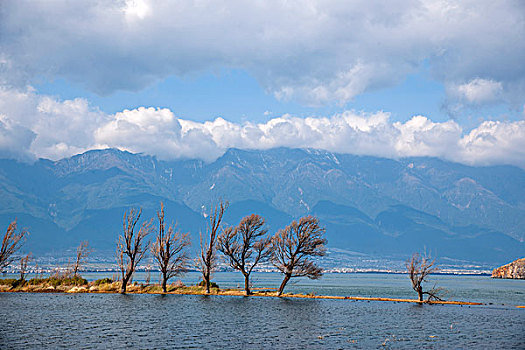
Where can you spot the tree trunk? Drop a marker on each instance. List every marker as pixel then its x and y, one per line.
pixel 123 286
pixel 283 284
pixel 164 283
pixel 247 284
pixel 207 282
pixel 420 293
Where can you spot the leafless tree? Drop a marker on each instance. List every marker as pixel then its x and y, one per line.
pixel 207 260
pixel 245 246
pixel 168 250
pixel 11 243
pixel 148 274
pixel 83 252
pixel 293 247
pixel 23 266
pixel 418 268
pixel 131 245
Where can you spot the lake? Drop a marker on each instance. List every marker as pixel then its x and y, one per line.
pixel 93 321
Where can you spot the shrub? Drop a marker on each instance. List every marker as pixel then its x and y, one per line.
pixel 56 281
pixel 19 283
pixel 177 284
pixel 8 282
pixel 103 281
pixel 13 283
pixel 36 281
pixel 212 284
pixel 80 281
pixel 74 281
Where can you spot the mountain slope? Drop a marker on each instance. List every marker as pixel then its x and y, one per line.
pixel 372 205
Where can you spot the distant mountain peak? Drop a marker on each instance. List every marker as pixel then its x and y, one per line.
pixel 102 159
pixel 381 198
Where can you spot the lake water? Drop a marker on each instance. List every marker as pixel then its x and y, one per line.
pixel 93 321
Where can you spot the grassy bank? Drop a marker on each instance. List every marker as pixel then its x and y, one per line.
pixel 106 285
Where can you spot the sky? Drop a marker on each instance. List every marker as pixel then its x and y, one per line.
pixel 190 79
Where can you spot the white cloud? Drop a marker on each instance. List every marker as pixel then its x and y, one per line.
pixel 420 136
pixel 34 126
pixel 136 9
pixel 477 91
pixel 156 132
pixel 494 142
pixel 316 52
pixel 15 140
pixel 59 128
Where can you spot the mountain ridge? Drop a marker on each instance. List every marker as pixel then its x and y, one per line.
pixel 390 200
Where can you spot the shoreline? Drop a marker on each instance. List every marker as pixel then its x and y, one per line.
pixel 113 288
pixel 372 272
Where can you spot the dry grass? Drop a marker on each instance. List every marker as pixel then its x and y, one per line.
pixel 179 288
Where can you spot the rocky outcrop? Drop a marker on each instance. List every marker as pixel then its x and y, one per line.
pixel 515 269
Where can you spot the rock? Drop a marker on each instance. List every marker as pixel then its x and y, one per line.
pixel 515 270
pixel 77 290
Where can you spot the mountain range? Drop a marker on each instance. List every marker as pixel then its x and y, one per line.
pixel 374 206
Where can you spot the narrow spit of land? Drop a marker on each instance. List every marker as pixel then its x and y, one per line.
pixel 114 287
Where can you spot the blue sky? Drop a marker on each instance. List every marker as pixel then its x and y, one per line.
pixel 237 96
pixel 406 78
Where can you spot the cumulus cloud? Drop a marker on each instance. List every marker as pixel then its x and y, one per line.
pixel 33 126
pixel 477 91
pixel 316 52
pixel 15 140
pixel 53 129
pixel 493 141
pixel 157 132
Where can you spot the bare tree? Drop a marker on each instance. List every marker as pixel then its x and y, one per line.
pixel 245 246
pixel 131 245
pixel 168 250
pixel 293 247
pixel 23 266
pixel 11 243
pixel 207 260
pixel 83 252
pixel 418 268
pixel 148 274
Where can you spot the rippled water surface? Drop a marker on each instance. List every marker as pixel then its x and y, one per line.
pixel 176 321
